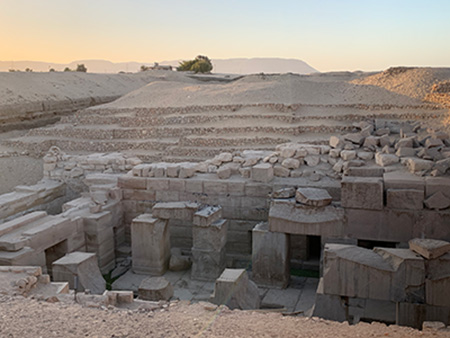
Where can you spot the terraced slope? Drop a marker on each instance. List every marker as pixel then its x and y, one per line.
pixel 180 118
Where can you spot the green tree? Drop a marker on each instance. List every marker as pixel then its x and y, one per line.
pixel 144 68
pixel 67 69
pixel 81 68
pixel 29 70
pixel 51 70
pixel 201 64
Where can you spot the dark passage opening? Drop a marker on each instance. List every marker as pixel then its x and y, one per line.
pixel 54 253
pixel 372 244
pixel 314 247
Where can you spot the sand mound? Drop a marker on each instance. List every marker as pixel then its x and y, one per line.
pixel 411 82
pixel 260 89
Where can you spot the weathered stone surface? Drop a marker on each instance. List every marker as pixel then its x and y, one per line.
pixel 443 166
pixel 175 210
pixel 405 152
pixel 284 193
pixel 207 215
pixel 429 248
pixel 155 289
pixel 291 163
pixel 417 164
pixel 312 160
pixel 280 171
pixel 289 217
pixel 178 262
pixel 348 155
pixel 313 196
pixel 262 172
pixel 385 160
pixel 365 155
pixel 404 199
pixel 371 141
pixel 365 171
pixel 234 289
pixel 84 265
pixel 433 142
pixel 437 201
pixel 336 142
pixel 433 326
pixel 270 257
pixel 362 193
pixel 210 237
pixel 224 172
pixel 438 291
pixel 403 180
pixel 207 264
pixel 150 245
pixel 356 138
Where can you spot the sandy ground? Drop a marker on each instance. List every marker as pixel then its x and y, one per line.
pixel 30 318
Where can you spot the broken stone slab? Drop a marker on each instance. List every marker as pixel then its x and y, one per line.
pixel 207 215
pixel 155 289
pixel 291 163
pixel 404 199
pixel 150 245
pixel 224 173
pixel 175 210
pixel 280 171
pixel 178 262
pixel 262 172
pixel 437 201
pixel 443 166
pixel 270 257
pixel 312 160
pixel 348 155
pixel 433 142
pixel 429 248
pixel 234 289
pixel 405 152
pixel 385 160
pixel 313 196
pixel 84 266
pixel 356 138
pixel 293 218
pixel 336 142
pixel 284 193
pixel 362 193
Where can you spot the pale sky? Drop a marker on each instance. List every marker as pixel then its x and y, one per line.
pixel 327 34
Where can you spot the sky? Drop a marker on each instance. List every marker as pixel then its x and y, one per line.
pixel 327 34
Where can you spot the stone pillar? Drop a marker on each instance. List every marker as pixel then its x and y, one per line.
pixel 270 257
pixel 150 245
pixel 209 234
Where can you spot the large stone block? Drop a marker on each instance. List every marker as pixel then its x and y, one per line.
pixel 403 180
pixel 436 184
pixel 262 172
pixel 438 291
pixel 404 199
pixel 175 210
pixel 207 265
pixel 155 289
pixel 150 245
pixel 362 193
pixel 313 196
pixel 234 289
pixel 131 182
pixel 210 237
pixel 84 266
pixel 270 257
pixel 429 248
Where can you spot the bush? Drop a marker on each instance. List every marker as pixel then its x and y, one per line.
pixel 201 64
pixel 81 68
pixel 67 69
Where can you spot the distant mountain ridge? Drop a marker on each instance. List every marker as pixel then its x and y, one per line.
pixel 231 66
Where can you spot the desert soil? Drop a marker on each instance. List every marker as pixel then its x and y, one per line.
pixel 21 317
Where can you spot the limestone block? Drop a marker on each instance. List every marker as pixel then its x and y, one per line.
pixel 216 187
pixel 175 210
pixel 438 291
pixel 336 142
pixel 365 171
pixel 270 257
pixel 287 152
pixel 435 184
pixel 236 187
pixel 207 264
pixel 405 152
pixel 437 201
pixel 157 183
pixel 365 155
pixel 289 217
pixel 284 193
pixel 224 172
pixel 443 165
pixel 187 170
pixel 403 180
pixel 385 160
pixel 150 245
pixel 433 142
pixel 329 307
pixel 245 172
pixel 234 289
pixel 280 171
pixel 207 215
pixel 155 289
pixel 439 267
pixel 433 326
pixel 224 157
pixel 262 172
pixel 291 163
pixel 429 248
pixel 173 170
pixel 404 199
pixel 348 155
pixel 417 164
pixel 312 160
pixel 356 138
pixel 405 143
pixel 83 265
pixel 131 182
pixel 362 193
pixel 356 272
pixel 194 186
pixel 335 153
pixel 371 141
pixel 210 237
pixel 414 315
pixel 313 196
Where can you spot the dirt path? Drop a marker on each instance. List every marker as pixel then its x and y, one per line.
pixel 29 318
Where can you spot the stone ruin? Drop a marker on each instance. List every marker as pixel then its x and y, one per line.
pixel 303 206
